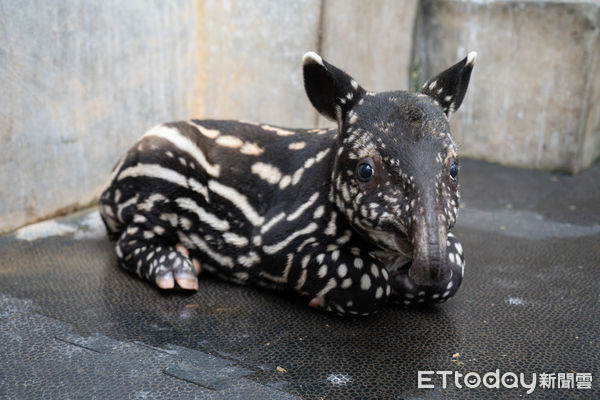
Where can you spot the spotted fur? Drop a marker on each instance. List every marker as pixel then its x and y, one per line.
pixel 290 209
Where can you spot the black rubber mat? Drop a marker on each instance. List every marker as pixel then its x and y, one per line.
pixel 74 325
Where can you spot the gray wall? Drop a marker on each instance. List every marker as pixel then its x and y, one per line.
pixel 80 81
pixel 534 95
pixel 249 60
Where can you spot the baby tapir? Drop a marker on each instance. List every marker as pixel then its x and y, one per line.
pixel 350 218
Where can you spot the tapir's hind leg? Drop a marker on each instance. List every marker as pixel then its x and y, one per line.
pixel 159 264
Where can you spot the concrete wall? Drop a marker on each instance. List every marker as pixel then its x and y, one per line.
pixel 250 56
pixel 80 81
pixel 533 100
pixel 371 40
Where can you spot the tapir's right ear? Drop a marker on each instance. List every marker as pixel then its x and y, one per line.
pixel 330 90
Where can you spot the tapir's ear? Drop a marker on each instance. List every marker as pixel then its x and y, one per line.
pixel 449 87
pixel 330 90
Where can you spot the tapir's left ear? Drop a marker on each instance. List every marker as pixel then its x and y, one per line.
pixel 330 90
pixel 449 87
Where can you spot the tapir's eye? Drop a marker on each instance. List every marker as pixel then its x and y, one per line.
pixel 453 171
pixel 364 171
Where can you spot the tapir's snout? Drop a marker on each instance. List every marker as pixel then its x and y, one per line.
pixel 425 271
pixel 430 266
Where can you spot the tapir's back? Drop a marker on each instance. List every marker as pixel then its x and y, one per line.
pixel 214 181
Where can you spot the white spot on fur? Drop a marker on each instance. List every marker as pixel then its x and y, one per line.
pixel 251 149
pixel 267 172
pixel 319 212
pixel 209 133
pixel 297 145
pixel 365 282
pixel 322 271
pixel 278 131
pixel 285 181
pixel 185 223
pixel 235 239
pixel 229 141
pixel 171 218
pixel 301 280
pixel 451 257
pixel 335 255
pixel 374 270
pixel 139 219
pixel 320 155
pixel 297 176
pixel 331 226
pixel 249 260
pixel 458 247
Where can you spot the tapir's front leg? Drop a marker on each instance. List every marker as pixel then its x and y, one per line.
pixel 406 292
pixel 159 263
pixel 342 281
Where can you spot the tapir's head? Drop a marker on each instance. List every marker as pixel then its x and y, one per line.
pixel 396 169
